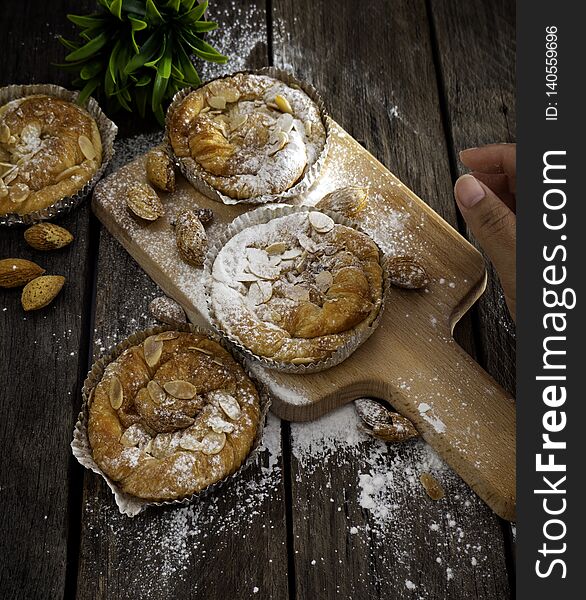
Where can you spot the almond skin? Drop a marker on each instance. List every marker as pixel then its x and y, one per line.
pixel 41 291
pixel 47 236
pixel 15 272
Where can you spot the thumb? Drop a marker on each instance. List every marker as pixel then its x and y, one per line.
pixel 493 224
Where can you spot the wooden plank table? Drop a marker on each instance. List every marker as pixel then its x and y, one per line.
pixel 326 512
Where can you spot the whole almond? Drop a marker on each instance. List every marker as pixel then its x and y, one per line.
pixel 41 291
pixel 160 171
pixel 191 238
pixel 144 202
pixel 406 272
pixel 15 272
pixel 47 236
pixel 348 201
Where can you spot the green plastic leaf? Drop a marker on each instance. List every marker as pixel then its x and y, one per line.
pixel 142 80
pixel 87 91
pixel 68 44
pixel 195 14
pixel 109 84
pixel 164 66
pixel 203 26
pixel 134 6
pixel 176 73
pixel 189 72
pixel 147 51
pixel 152 13
pixel 88 49
pixel 203 49
pixel 87 22
pixel 91 70
pixel 159 88
pixel 141 97
pixel 113 58
pixel 174 5
pixel 187 4
pixel 159 55
pixel 116 9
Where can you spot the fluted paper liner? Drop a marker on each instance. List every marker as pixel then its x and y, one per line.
pixel 264 215
pixel 106 127
pixel 191 171
pixel 131 505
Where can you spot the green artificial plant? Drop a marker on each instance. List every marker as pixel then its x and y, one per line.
pixel 136 54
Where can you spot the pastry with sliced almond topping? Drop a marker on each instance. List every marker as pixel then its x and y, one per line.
pixel 171 416
pixel 49 149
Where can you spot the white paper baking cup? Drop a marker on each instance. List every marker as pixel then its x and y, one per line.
pixel 192 171
pixel 263 215
pixel 106 127
pixel 131 505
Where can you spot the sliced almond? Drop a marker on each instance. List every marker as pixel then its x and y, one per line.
pixel 283 104
pixel 217 102
pixel 3 189
pixel 307 126
pixel 260 292
pixel 4 133
pixel 213 443
pixel 180 389
pixel 285 122
pixel 11 174
pixel 220 425
pixel 246 277
pixel 231 94
pixel 202 350
pixel 153 349
pixel 290 254
pixel 297 293
pixel 321 222
pixel 156 392
pixel 86 147
pixel 264 271
pixel 116 393
pixel 275 260
pixel 166 335
pixel 134 436
pixel 230 406
pixel 67 173
pixel 276 248
pixel 324 281
pixel 282 139
pixel 19 192
pixel 237 121
pixel 188 441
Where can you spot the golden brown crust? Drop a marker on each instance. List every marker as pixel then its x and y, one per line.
pixel 297 288
pixel 49 149
pixel 240 141
pixel 158 446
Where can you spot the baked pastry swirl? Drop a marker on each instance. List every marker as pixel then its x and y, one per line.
pixel 49 149
pixel 298 288
pixel 172 416
pixel 247 135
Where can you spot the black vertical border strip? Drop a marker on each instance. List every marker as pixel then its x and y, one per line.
pixel 537 136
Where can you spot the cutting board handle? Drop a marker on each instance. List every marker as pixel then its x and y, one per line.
pixel 460 410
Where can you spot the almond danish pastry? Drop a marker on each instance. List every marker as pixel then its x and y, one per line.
pixel 247 135
pixel 49 149
pixel 296 289
pixel 172 416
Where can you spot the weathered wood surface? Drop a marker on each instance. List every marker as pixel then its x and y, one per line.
pixel 62 536
pixel 42 358
pixel 394 106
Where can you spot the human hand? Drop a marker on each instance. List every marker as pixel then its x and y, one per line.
pixel 486 199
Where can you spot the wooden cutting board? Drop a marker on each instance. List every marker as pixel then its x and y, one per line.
pixel 411 360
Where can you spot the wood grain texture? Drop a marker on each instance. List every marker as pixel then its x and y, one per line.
pixel 476 56
pixel 369 62
pixel 230 544
pixel 42 354
pixel 410 361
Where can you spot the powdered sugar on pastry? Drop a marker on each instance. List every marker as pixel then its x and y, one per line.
pixel 247 135
pixel 297 288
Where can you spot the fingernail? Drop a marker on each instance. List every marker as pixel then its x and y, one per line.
pixel 468 191
pixel 462 152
